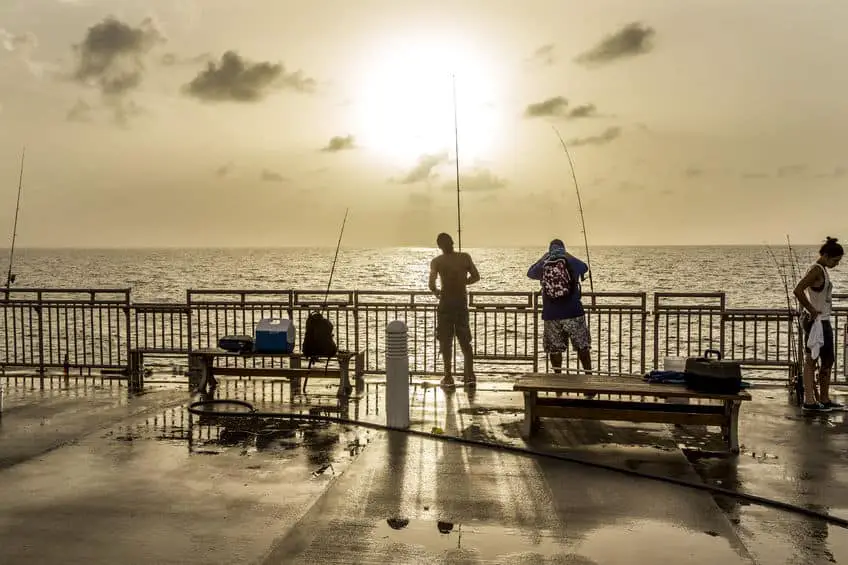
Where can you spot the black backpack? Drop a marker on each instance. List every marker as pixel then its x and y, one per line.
pixel 558 281
pixel 318 339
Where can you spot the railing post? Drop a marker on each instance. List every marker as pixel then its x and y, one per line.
pixel 723 305
pixel 845 351
pixel 643 333
pixel 40 339
pixel 656 331
pixel 535 303
pixel 356 321
pixel 128 325
pixel 188 321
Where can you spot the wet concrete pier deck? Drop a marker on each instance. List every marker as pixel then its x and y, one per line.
pixel 90 474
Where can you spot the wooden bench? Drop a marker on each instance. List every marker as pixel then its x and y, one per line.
pixel 632 409
pixel 202 369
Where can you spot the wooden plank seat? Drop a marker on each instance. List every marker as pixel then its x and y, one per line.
pixel 202 369
pixel 724 413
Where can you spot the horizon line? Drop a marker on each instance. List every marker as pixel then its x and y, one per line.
pixel 406 246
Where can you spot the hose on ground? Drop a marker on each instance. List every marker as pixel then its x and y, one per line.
pixel 195 409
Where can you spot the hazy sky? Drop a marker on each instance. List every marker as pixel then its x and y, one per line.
pixel 257 122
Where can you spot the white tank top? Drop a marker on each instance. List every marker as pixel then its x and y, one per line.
pixel 822 299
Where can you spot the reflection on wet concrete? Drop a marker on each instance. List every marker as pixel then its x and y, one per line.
pixel 793 458
pixel 258 488
pixel 410 500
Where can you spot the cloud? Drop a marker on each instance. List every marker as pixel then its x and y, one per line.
pixel 550 107
pixel 755 175
pixel 693 172
pixel 424 168
pixel 22 46
pixel 608 135
pixel 544 55
pixel 80 112
pixel 583 111
pixel 631 40
pixel 172 59
pixel 481 180
pixel 791 170
pixel 628 186
pixel 224 170
pixel 111 58
pixel 235 79
pixel 111 55
pixel 557 106
pixel 271 176
pixel 126 110
pixel 339 144
pixel 420 200
pixel 836 173
pixel 18 43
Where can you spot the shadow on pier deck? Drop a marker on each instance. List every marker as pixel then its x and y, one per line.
pixel 90 474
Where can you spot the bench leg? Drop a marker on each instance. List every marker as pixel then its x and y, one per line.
pixel 344 383
pixel 135 373
pixel 359 372
pixel 294 383
pixel 205 378
pixel 195 362
pixel 731 429
pixel 531 421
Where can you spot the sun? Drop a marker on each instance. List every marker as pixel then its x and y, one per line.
pixel 405 100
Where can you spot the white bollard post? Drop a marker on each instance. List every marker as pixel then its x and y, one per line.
pixel 397 375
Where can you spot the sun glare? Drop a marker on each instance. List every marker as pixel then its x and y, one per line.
pixel 406 102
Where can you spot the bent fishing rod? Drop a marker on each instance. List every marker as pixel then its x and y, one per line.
pixel 580 207
pixel 456 145
pixel 336 258
pixel 10 277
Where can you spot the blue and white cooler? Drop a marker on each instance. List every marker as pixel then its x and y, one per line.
pixel 274 335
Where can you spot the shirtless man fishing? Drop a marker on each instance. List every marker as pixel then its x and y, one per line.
pixel 455 271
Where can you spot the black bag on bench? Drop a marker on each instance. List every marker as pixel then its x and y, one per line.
pixel 711 374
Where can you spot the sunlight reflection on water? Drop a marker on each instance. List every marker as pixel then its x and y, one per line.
pixel 747 274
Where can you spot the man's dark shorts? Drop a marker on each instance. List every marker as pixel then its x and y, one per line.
pixel 450 322
pixel 826 353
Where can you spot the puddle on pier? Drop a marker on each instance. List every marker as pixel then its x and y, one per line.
pixel 618 543
pixel 322 447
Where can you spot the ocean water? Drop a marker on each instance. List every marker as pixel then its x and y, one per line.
pixel 749 275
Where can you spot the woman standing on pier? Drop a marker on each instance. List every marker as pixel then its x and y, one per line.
pixel 815 293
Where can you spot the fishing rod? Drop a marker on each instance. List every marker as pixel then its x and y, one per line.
pixel 784 277
pixel 580 207
pixel 336 258
pixel 10 278
pixel 456 143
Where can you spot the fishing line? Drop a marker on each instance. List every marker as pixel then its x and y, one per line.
pixel 456 147
pixel 335 258
pixel 793 353
pixel 10 277
pixel 195 408
pixel 330 282
pixel 580 207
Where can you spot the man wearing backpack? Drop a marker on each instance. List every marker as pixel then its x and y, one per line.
pixel 456 271
pixel 560 273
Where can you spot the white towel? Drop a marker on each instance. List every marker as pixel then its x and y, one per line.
pixel 815 340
